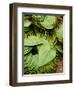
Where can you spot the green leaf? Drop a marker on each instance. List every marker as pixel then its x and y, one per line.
pixel 42 45
pixel 52 39
pixel 38 18
pixel 46 53
pixel 31 61
pixel 49 22
pixel 27 23
pixel 32 41
pixel 27 60
pixel 27 29
pixel 59 48
pixel 27 50
pixel 59 32
pixel 26 17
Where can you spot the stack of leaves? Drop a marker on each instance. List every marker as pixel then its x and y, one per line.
pixel 43 43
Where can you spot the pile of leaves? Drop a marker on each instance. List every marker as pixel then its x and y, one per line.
pixel 43 43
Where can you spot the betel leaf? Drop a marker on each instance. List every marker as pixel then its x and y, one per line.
pixel 49 22
pixel 32 41
pixel 59 32
pixel 27 23
pixel 46 53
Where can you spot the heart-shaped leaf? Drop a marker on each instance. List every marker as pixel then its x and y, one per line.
pixel 46 53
